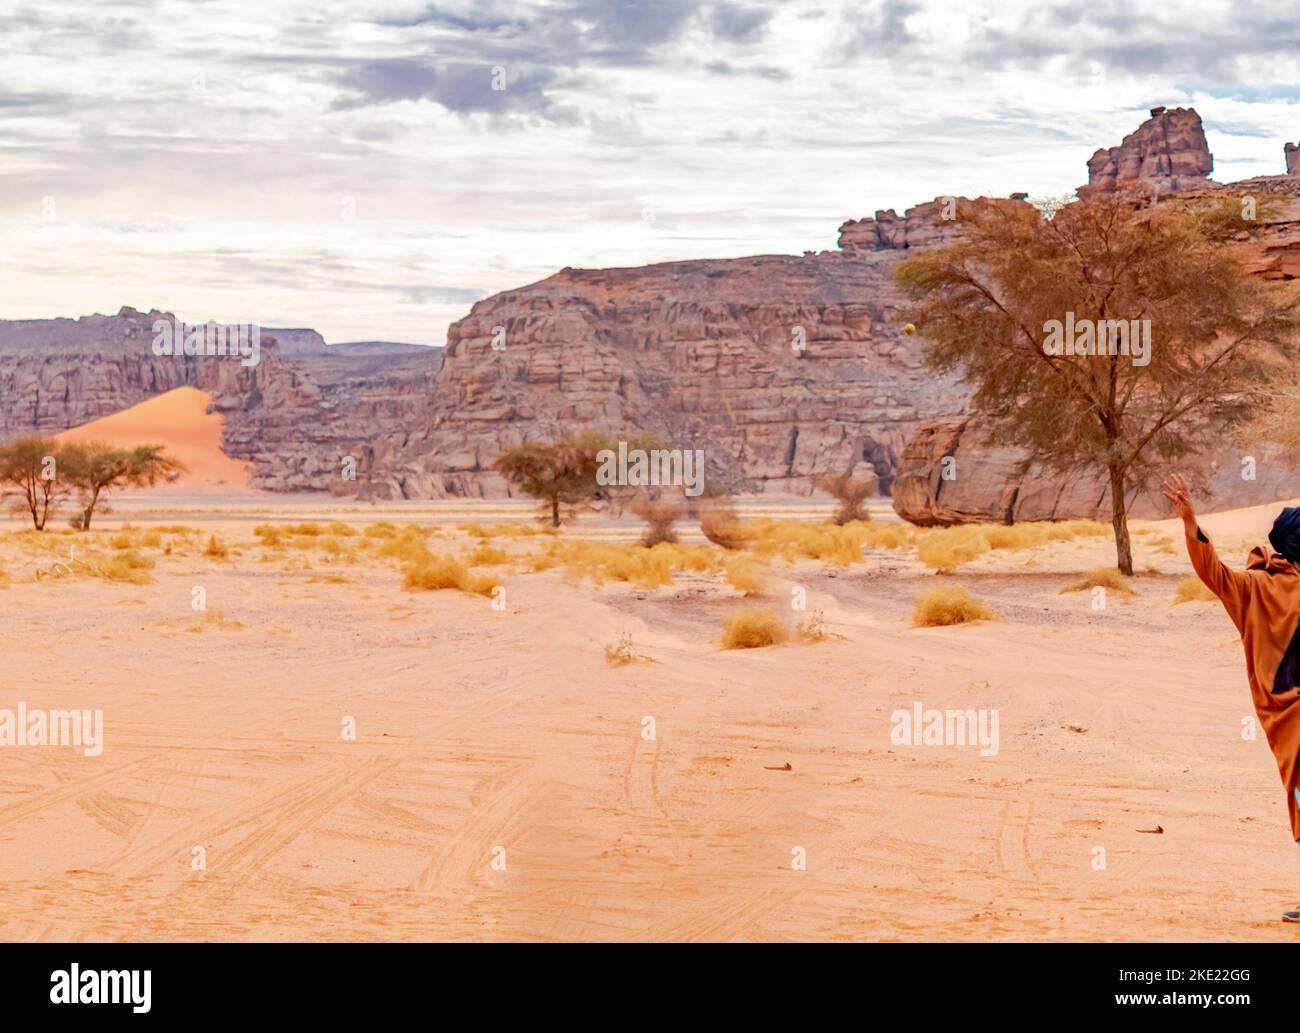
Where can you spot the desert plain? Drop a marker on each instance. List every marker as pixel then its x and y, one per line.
pixel 566 750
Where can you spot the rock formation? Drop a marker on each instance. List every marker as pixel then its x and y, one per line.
pixel 1166 153
pixel 292 417
pixel 950 475
pixel 1292 151
pixel 779 367
pixel 931 223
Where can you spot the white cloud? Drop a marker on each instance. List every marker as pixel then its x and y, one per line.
pixel 349 167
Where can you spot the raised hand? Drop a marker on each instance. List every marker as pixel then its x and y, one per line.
pixel 1175 490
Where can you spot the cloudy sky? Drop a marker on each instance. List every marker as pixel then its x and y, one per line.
pixel 355 167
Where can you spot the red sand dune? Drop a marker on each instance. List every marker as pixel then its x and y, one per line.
pixel 179 420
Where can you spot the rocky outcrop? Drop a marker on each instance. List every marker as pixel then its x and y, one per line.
pixel 292 418
pixel 951 475
pixel 1166 153
pixel 934 222
pixel 1292 152
pixel 779 367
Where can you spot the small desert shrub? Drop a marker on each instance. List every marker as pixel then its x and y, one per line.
pixel 949 547
pixel 744 575
pixel 383 529
pixel 182 529
pixel 949 604
pixel 124 539
pixel 341 530
pixel 151 539
pixel 1192 590
pixel 1108 578
pixel 753 627
pixel 814 628
pixel 718 523
pixel 217 550
pixel 127 565
pixel 270 534
pixel 408 547
pixel 622 652
pixel 487 556
pixel 310 530
pixel 434 573
pixel 851 493
pixel 659 515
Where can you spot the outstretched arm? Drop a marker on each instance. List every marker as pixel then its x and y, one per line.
pixel 1231 586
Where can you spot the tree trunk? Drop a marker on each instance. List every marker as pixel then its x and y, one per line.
pixel 90 510
pixel 1119 521
pixel 555 512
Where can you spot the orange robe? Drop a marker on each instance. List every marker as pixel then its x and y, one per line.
pixel 1264 603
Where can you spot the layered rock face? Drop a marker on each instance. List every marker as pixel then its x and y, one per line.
pixel 292 418
pixel 950 475
pixel 780 368
pixel 933 223
pixel 1292 151
pixel 1167 152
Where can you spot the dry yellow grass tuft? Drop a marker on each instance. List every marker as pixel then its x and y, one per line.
pixel 1108 578
pixel 1192 590
pixel 507 530
pixel 950 604
pixel 434 573
pixel 945 548
pixel 487 556
pixel 752 628
pixel 635 564
pixel 838 546
pixel 127 565
pixel 744 575
pixel 216 550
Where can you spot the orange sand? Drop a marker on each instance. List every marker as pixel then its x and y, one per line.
pixel 178 419
pixel 487 734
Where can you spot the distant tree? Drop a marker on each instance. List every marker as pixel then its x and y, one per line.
pixel 660 514
pixel 31 471
pixel 558 473
pixel 95 469
pixel 850 492
pixel 998 303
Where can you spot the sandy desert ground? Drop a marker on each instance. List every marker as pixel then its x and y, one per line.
pixel 481 730
pixel 503 784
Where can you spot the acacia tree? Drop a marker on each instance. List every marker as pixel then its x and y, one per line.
pixel 31 470
pixel 990 306
pixel 559 473
pixel 95 468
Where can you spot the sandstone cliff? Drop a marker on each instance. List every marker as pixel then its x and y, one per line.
pixel 1165 153
pixel 292 416
pixel 779 367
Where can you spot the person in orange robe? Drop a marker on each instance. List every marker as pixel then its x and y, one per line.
pixel 1263 602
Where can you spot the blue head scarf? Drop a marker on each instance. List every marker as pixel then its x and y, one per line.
pixel 1285 536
